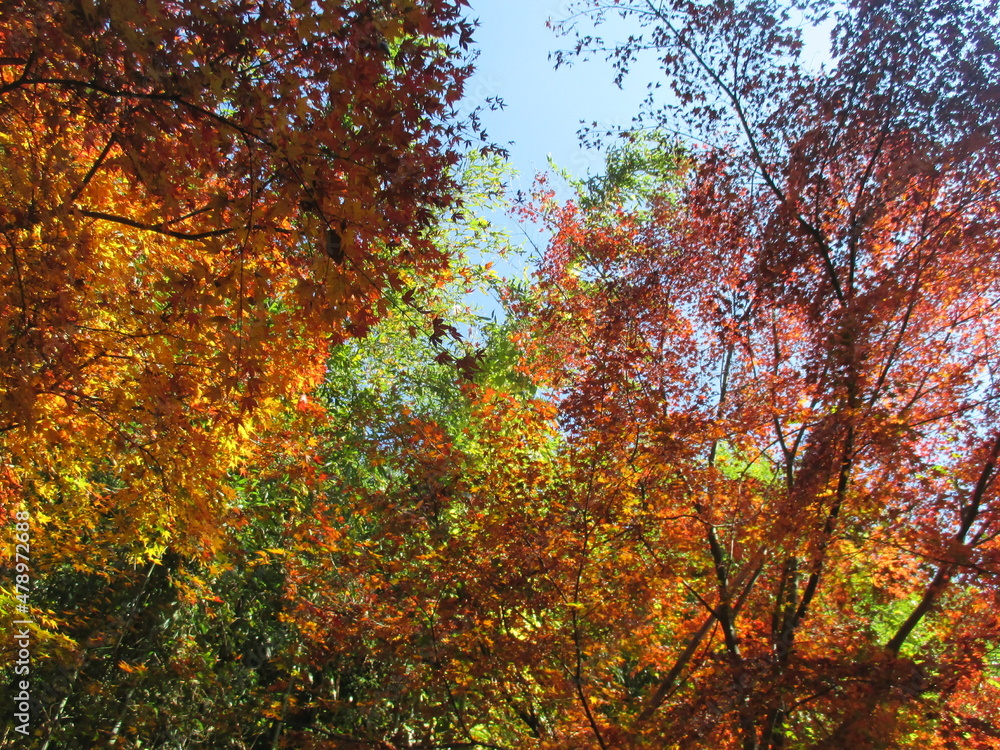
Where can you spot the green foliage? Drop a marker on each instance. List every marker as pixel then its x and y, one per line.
pixel 642 167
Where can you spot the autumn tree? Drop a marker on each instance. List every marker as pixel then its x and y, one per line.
pixel 783 378
pixel 226 650
pixel 199 198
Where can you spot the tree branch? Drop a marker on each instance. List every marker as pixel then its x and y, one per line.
pixel 943 575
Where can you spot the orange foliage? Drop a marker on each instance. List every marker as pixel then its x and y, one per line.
pixel 174 174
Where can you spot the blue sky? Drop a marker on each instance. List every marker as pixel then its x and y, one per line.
pixel 544 106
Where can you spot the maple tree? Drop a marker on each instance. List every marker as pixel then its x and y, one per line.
pixel 199 198
pixel 783 379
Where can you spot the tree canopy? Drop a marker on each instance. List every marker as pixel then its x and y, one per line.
pixel 723 477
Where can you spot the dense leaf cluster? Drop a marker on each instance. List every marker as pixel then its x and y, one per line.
pixel 724 477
